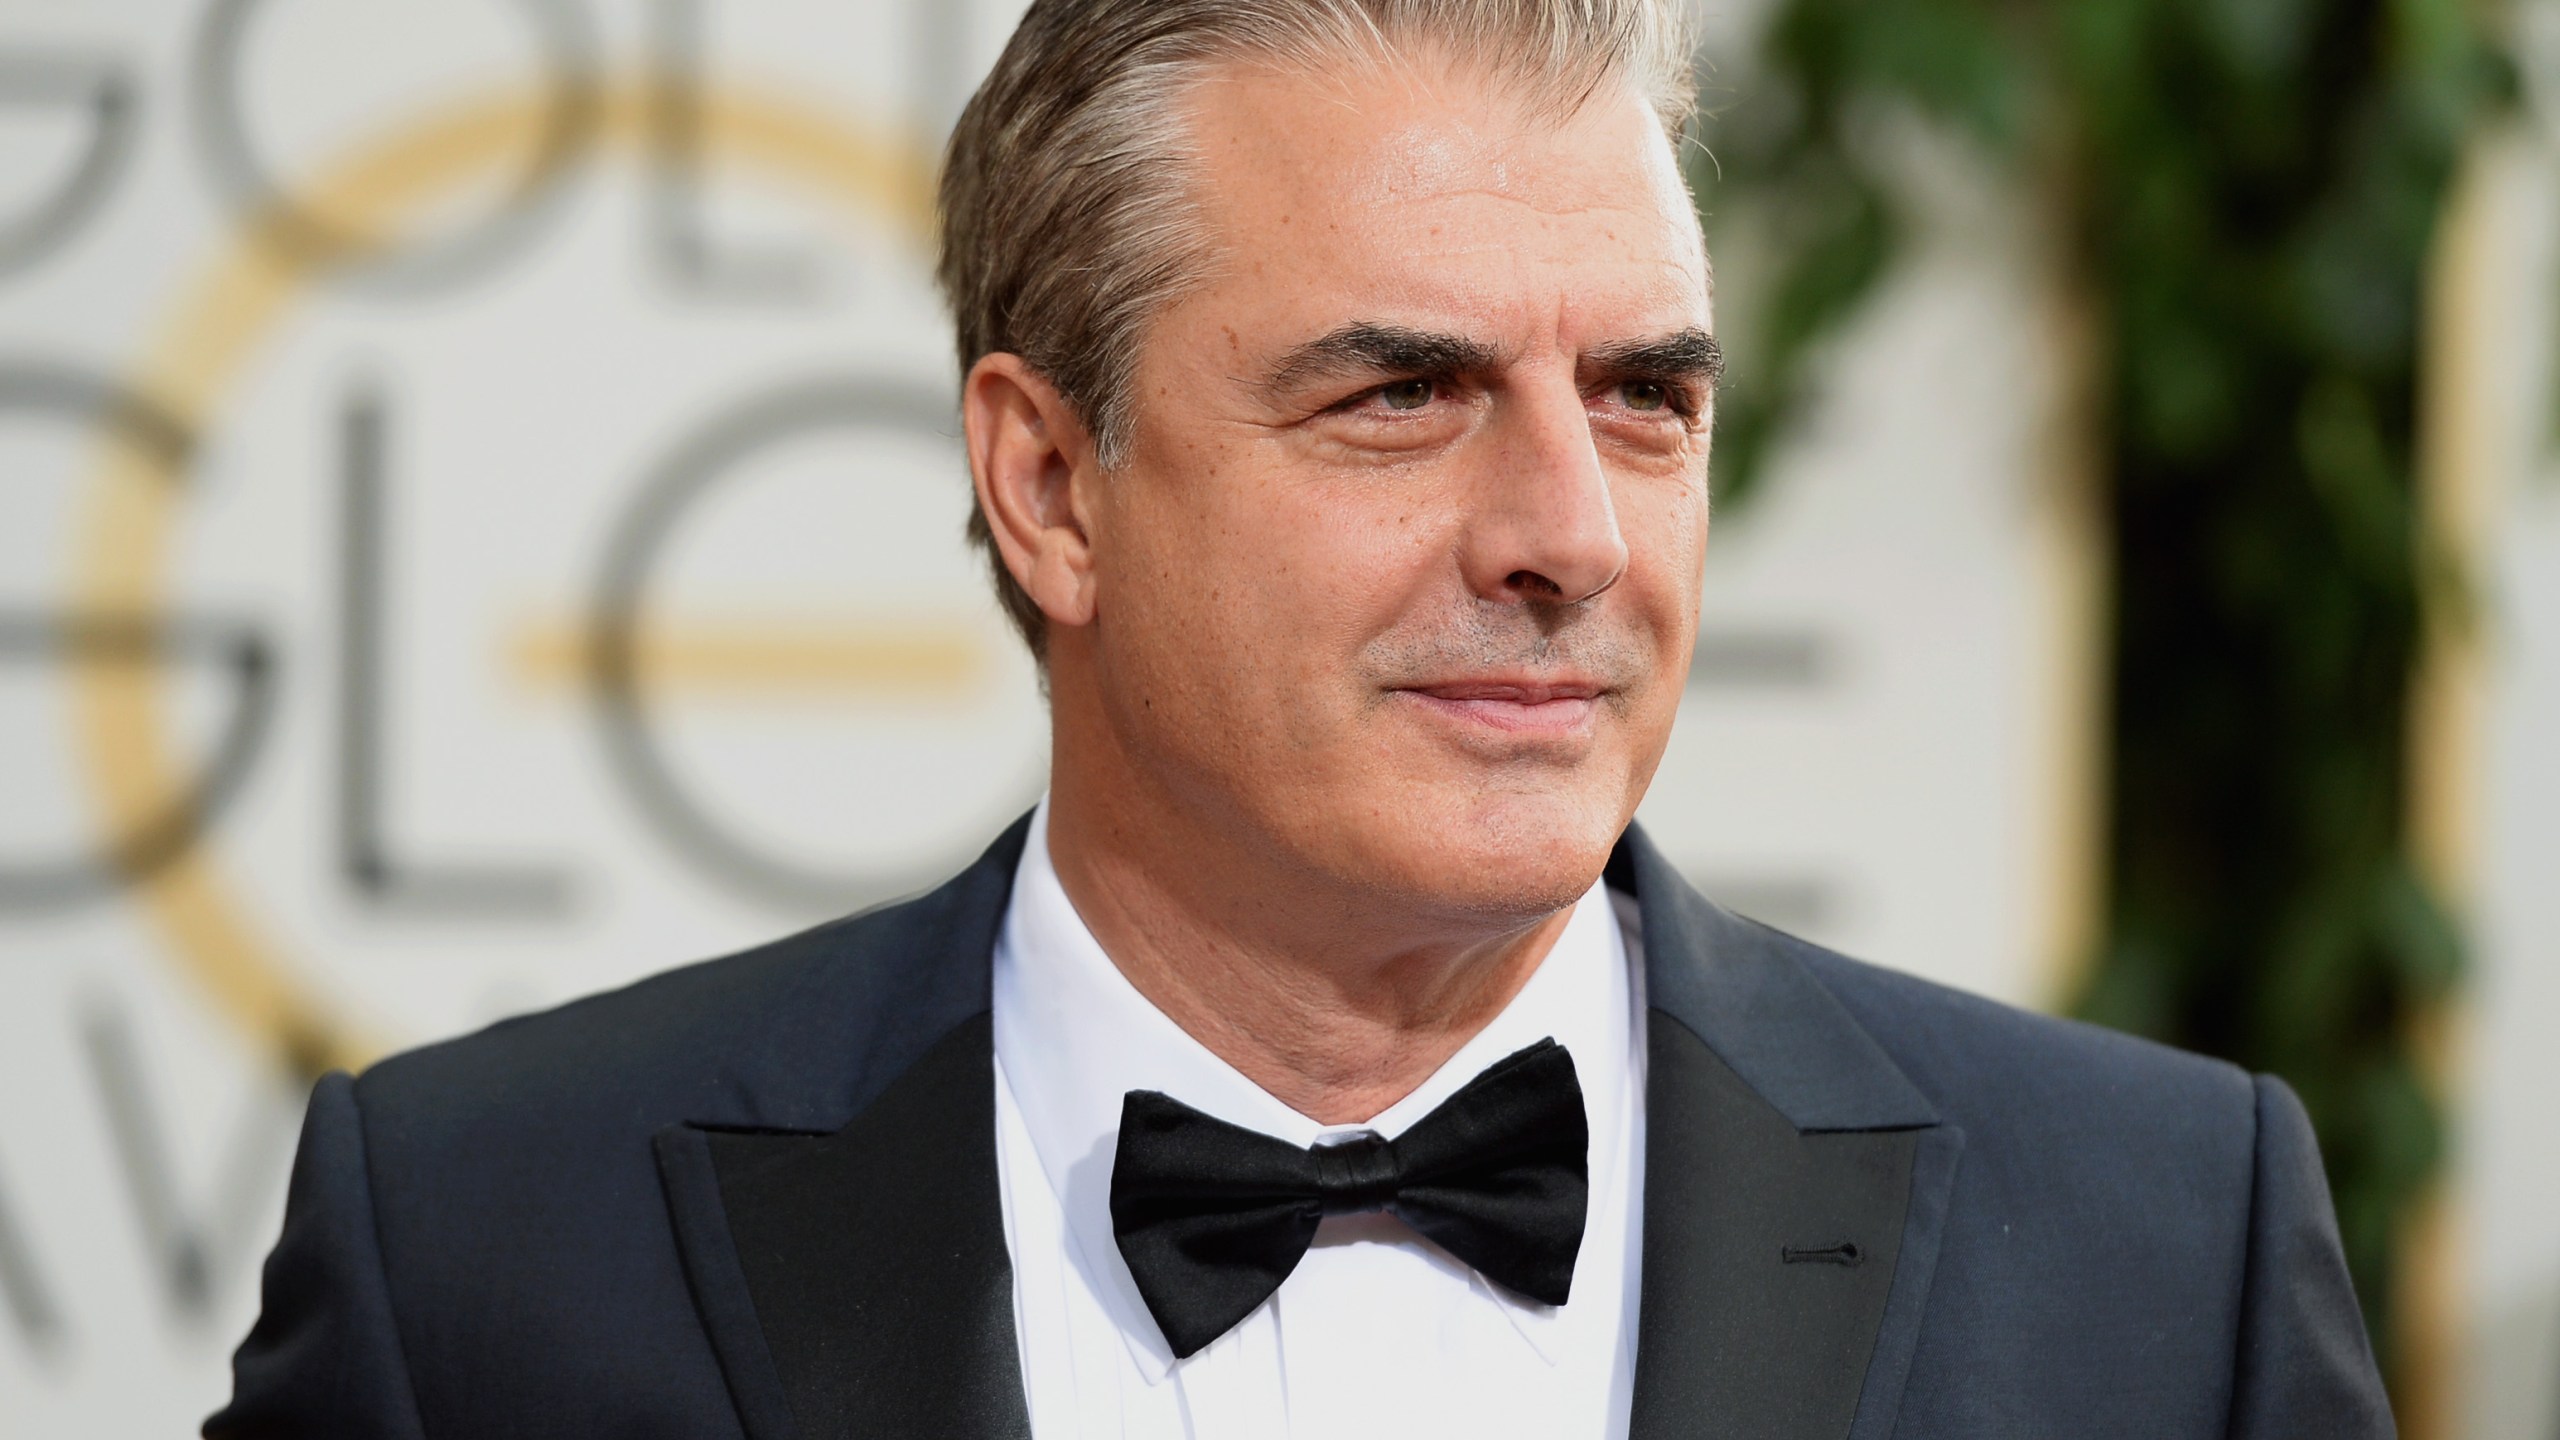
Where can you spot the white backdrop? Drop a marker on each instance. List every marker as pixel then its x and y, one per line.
pixel 305 569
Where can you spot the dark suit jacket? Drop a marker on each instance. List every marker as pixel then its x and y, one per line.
pixel 758 1198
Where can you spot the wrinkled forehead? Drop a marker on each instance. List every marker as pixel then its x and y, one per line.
pixel 1408 183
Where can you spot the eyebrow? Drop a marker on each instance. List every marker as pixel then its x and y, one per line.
pixel 1690 354
pixel 1367 348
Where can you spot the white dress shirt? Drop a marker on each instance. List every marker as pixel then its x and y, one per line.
pixel 1378 1332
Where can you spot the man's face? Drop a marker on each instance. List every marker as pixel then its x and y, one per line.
pixel 1401 575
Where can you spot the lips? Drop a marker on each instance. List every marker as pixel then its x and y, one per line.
pixel 1527 707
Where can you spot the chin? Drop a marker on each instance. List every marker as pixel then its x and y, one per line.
pixel 1509 856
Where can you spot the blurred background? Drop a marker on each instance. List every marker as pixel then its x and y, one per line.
pixel 480 522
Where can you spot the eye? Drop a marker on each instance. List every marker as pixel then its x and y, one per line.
pixel 1407 394
pixel 1645 395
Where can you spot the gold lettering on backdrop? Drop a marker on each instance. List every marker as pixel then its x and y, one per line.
pixel 233 305
pixel 924 661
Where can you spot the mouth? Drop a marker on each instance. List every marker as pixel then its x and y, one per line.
pixel 1550 707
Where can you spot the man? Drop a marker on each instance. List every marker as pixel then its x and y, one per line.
pixel 1327 1055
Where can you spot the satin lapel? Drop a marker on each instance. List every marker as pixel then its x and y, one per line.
pixel 1933 1175
pixel 835 1198
pixel 1795 1187
pixel 719 1284
pixel 856 1283
pixel 1770 1256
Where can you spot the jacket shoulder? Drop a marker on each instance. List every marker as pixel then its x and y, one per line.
pixel 797 1034
pixel 2057 1098
pixel 669 1033
pixel 528 1147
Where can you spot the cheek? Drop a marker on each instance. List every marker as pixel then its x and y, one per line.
pixel 1666 549
pixel 1354 559
pixel 1277 574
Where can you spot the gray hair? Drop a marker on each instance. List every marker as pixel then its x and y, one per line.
pixel 1064 227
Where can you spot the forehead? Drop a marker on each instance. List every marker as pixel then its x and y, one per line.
pixel 1413 190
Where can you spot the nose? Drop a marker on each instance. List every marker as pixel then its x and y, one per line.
pixel 1543 528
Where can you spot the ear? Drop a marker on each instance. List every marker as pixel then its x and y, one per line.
pixel 1027 446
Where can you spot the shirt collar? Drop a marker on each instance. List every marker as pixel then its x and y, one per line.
pixel 1073 1037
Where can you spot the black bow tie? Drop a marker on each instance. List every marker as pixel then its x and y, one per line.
pixel 1212 1217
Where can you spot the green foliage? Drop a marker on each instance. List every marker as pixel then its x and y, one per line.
pixel 2247 189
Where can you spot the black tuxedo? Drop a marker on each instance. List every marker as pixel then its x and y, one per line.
pixel 758 1198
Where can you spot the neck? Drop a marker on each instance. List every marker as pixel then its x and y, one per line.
pixel 1337 1000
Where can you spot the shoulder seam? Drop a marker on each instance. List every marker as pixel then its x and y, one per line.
pixel 381 1263
pixel 2248 1251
